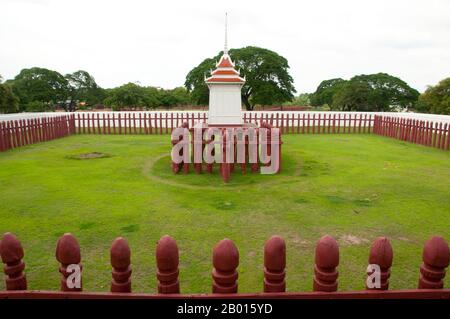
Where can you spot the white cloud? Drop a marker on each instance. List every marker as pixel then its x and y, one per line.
pixel 157 43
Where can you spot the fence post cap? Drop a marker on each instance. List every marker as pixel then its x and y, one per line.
pixel 167 257
pixel 275 253
pixel 436 252
pixel 381 253
pixel 225 255
pixel 68 250
pixel 120 253
pixel 327 252
pixel 11 249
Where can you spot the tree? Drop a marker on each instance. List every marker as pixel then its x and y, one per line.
pixel 388 93
pixel 436 99
pixel 352 96
pixel 267 78
pixel 9 102
pixel 303 99
pixel 325 91
pixel 177 96
pixel 39 84
pixel 81 87
pixel 132 96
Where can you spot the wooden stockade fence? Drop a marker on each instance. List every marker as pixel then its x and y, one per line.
pixel 164 123
pixel 225 262
pixel 415 131
pixel 16 133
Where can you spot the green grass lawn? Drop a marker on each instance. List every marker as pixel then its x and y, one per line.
pixel 352 187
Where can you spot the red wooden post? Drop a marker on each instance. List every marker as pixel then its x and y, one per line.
pixel 25 131
pixel 443 131
pixel 109 124
pixel 447 143
pixel 68 254
pixel 225 261
pixel 121 266
pixel 2 137
pixel 314 123
pixel 16 134
pixel 11 252
pixel 225 168
pixel 167 125
pixel 303 123
pixel 171 121
pixel 167 260
pixel 88 124
pixel 274 265
pixel 327 259
pixel 429 132
pixel 134 123
pixel 145 124
pixel 381 254
pixel 334 123
pixel 124 127
pixel 150 123
pixel 436 257
pixel 345 119
pixel 307 125
pixel 140 123
pixel 119 123
pixel 339 123
pixel 329 124
pixel 160 123
pixel 298 123
pixel 103 124
pixel 287 123
pixel 99 128
pixel 439 136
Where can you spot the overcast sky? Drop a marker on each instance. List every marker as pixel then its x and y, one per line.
pixel 157 42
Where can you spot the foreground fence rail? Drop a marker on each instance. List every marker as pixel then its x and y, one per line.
pixel 225 263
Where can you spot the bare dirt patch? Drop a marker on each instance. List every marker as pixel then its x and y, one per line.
pixel 349 240
pixel 92 155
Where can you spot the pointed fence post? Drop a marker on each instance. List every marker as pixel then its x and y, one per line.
pixel 436 257
pixel 68 254
pixel 274 265
pixel 167 261
pixel 121 265
pixel 225 262
pixel 12 253
pixel 381 254
pixel 327 259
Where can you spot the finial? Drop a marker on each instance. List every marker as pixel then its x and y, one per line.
pixel 225 50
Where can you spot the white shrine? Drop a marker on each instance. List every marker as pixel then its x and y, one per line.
pixel 225 83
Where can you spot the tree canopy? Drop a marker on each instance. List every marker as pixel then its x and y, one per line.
pixel 266 72
pixel 39 84
pixel 9 103
pixel 436 99
pixel 81 87
pixel 372 92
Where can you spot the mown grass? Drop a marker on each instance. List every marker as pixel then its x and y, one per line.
pixel 353 187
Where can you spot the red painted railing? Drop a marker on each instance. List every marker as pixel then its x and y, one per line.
pixel 16 133
pixel 436 257
pixel 415 131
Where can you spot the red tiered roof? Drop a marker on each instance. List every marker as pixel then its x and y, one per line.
pixel 225 72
